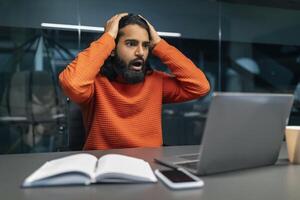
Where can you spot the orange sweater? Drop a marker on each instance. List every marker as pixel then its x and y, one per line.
pixel 118 115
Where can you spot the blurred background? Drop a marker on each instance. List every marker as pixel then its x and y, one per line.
pixel 241 45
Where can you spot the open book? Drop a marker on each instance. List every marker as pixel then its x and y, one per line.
pixel 85 169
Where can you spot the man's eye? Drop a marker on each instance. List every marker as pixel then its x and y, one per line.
pixel 146 46
pixel 130 44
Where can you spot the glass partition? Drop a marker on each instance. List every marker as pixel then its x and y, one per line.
pixel 32 107
pixel 260 51
pixel 240 47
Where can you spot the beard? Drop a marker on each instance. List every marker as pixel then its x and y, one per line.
pixel 127 72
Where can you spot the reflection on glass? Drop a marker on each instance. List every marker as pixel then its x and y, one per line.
pixel 32 112
pixel 258 52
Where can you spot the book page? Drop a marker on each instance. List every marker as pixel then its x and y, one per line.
pixel 83 163
pixel 120 168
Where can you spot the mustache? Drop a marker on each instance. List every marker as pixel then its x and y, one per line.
pixel 137 60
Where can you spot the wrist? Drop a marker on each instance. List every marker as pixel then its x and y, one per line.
pixel 113 35
pixel 155 41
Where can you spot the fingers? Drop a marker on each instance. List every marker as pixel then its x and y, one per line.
pixel 118 16
pixel 150 25
pixel 154 35
pixel 112 25
pixel 143 18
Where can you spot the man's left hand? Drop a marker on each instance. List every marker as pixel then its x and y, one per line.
pixel 154 35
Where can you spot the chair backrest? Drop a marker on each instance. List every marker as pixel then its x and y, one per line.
pixel 32 94
pixel 44 98
pixel 76 130
pixel 18 94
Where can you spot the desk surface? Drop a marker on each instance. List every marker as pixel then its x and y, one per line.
pixel 281 181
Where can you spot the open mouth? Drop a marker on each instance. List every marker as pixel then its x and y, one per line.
pixel 137 65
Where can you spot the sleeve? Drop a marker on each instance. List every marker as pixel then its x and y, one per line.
pixel 187 82
pixel 77 80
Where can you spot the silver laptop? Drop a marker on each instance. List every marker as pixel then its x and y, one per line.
pixel 243 130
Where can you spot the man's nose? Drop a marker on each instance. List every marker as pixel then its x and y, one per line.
pixel 139 51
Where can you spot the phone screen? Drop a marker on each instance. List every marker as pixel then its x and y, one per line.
pixel 177 176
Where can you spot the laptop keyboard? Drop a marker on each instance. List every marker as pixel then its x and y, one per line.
pixel 189 165
pixel 190 157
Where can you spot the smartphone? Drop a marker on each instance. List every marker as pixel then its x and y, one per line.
pixel 179 178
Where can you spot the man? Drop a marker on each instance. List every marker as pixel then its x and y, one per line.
pixel 119 94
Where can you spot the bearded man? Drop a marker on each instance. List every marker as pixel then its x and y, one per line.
pixel 120 96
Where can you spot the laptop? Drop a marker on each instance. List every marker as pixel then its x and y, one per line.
pixel 242 130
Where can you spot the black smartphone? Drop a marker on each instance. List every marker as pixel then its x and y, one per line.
pixel 179 178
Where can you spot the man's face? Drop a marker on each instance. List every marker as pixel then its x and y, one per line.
pixel 131 53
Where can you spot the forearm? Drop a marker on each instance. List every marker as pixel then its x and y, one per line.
pixel 189 81
pixel 78 77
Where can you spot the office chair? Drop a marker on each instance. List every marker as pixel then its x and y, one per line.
pixel 32 105
pixel 76 130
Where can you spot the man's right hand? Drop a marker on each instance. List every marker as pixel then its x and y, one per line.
pixel 112 25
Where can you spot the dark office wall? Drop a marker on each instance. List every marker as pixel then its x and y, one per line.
pixel 30 13
pixel 265 38
pixel 192 18
pixel 197 19
pixel 244 23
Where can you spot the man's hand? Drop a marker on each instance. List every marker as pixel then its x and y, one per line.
pixel 154 35
pixel 112 25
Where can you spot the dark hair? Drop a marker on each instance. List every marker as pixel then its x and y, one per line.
pixel 107 68
pixel 132 19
